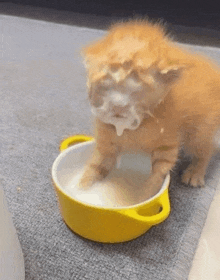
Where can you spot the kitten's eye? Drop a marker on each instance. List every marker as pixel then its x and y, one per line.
pixel 134 75
pixel 127 65
pixel 98 102
pixel 133 83
pixel 102 91
pixel 114 68
pixel 137 95
pixel 107 83
pixel 96 99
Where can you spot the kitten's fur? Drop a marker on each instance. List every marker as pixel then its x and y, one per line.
pixel 175 93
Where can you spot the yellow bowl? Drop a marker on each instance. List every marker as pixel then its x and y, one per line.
pixel 102 223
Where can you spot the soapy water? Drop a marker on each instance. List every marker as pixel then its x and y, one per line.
pixel 124 186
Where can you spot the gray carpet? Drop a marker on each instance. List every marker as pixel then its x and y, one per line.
pixel 43 100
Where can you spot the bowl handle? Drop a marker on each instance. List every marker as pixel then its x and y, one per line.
pixel 72 140
pixel 155 219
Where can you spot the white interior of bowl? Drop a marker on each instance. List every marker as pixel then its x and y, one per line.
pixel 123 187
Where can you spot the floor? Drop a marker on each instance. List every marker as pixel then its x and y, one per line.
pixel 206 264
pixel 205 24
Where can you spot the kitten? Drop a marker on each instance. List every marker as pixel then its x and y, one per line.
pixel 151 95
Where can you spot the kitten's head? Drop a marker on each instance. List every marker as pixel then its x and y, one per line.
pixel 130 71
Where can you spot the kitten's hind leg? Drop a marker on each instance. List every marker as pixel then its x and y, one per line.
pixel 195 172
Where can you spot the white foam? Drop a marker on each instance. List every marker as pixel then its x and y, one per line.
pixel 131 121
pixel 124 186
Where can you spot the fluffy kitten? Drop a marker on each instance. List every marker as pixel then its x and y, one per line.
pixel 151 95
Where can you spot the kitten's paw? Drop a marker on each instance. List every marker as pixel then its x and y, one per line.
pixel 153 185
pixel 192 177
pixel 86 182
pixel 89 178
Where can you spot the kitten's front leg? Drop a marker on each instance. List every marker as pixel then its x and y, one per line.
pixel 99 166
pixel 163 160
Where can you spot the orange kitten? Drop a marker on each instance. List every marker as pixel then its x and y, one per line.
pixel 151 95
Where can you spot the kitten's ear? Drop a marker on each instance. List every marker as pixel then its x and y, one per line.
pixel 171 74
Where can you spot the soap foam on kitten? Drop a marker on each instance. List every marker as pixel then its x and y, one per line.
pixel 128 120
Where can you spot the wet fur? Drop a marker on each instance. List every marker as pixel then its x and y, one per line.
pixel 181 102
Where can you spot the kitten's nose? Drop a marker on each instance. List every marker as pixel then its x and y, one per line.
pixel 119 100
